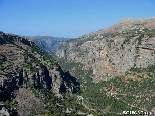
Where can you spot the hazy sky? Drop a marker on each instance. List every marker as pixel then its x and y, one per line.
pixel 68 18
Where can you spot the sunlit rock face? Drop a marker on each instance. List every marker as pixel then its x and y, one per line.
pixel 115 50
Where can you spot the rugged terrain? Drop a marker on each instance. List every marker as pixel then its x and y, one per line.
pixel 104 73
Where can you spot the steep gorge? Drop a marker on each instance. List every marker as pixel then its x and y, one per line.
pixel 115 68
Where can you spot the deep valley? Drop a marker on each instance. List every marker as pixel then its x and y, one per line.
pixel 104 73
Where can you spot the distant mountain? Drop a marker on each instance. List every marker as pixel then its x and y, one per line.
pixel 48 43
pixel 127 24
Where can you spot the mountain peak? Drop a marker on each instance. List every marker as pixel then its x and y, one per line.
pixel 127 24
pixel 128 19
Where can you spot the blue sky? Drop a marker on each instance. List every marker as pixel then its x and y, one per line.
pixel 68 18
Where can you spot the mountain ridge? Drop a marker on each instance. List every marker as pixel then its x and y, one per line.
pixel 126 24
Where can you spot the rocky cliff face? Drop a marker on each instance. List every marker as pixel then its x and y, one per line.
pixel 24 67
pixel 112 54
